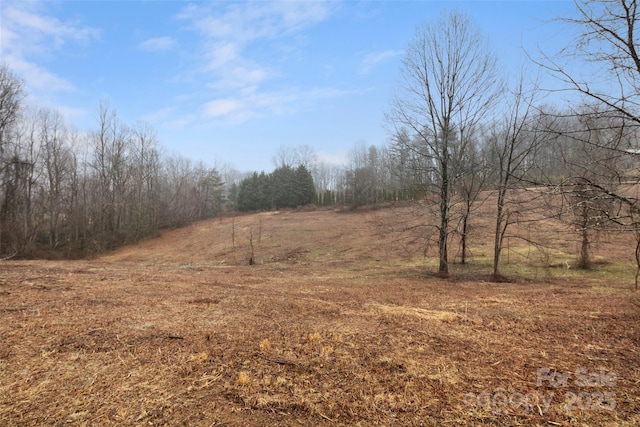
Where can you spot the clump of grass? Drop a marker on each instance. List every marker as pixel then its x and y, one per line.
pixel 265 345
pixel 243 378
pixel 199 358
pixel 326 351
pixel 314 337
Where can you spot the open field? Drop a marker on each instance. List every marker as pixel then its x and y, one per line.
pixel 334 324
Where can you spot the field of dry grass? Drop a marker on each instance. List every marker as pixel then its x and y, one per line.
pixel 334 324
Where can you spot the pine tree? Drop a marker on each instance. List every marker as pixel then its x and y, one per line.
pixel 305 189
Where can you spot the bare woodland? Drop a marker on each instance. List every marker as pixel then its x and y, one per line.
pixel 585 155
pixel 458 130
pixel 306 296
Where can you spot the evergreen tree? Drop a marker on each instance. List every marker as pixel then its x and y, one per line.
pixel 283 187
pixel 304 187
pixel 263 195
pixel 248 193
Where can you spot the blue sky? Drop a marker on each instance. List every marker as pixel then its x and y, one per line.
pixel 233 81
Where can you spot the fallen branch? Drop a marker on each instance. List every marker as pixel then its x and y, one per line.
pixel 8 257
pixel 278 361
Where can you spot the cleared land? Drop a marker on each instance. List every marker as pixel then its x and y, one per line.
pixel 335 324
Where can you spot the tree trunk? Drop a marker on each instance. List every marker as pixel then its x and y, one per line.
pixel 584 262
pixel 443 269
pixel 637 259
pixel 499 233
pixel 465 226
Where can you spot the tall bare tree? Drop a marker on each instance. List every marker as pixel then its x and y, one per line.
pixel 607 80
pixel 449 84
pixel 474 178
pixel 11 97
pixel 512 148
pixel 295 156
pixel 144 194
pixel 11 105
pixel 598 165
pixel 57 163
pixel 111 148
pixel 607 41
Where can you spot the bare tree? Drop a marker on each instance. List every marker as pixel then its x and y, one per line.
pixel 145 171
pixel 295 156
pixel 595 150
pixel 305 155
pixel 359 177
pixel 57 163
pixel 607 42
pixel 512 148
pixel 285 156
pixel 111 145
pixel 77 149
pixel 11 98
pixel 19 179
pixel 450 83
pixel 412 169
pixel 609 80
pixel 474 176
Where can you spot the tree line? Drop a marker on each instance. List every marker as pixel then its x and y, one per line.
pixel 285 187
pixel 458 128
pixel 459 133
pixel 70 193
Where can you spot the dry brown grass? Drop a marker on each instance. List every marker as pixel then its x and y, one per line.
pixel 334 325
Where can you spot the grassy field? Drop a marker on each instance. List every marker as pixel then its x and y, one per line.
pixel 335 323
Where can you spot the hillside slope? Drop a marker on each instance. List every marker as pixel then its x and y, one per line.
pixel 334 325
pixel 316 236
pixel 390 235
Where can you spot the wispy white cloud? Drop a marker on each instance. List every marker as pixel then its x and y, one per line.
pixel 226 107
pixel 171 117
pixel 246 22
pixel 373 59
pixel 158 44
pixel 233 63
pixel 220 53
pixel 235 110
pixel 36 31
pixel 339 158
pixel 72 114
pixel 29 34
pixel 38 79
pixel 252 105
